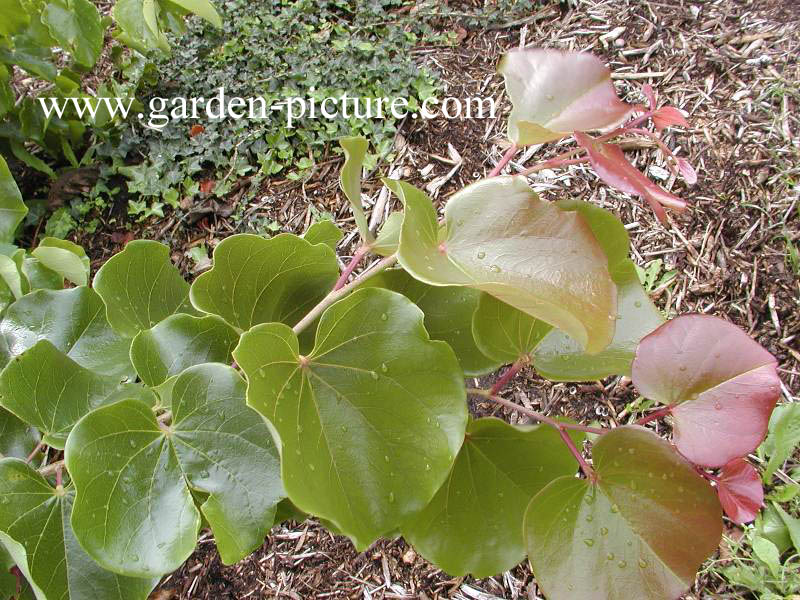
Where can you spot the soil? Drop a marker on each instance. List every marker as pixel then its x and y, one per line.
pixel 732 65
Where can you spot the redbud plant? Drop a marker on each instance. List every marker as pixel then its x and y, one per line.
pixel 140 409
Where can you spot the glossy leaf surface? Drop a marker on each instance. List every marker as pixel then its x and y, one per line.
pixel 65 258
pixel 256 280
pixel 370 421
pixel 503 332
pixel 389 236
pixel 17 438
pixel 74 321
pixel 640 532
pixel 474 523
pixel 179 342
pixel 448 315
pixel 46 388
pixel 12 208
pixel 555 93
pixel 784 436
pixel 134 511
pixel 76 27
pixel 721 384
pixel 740 491
pixel 35 527
pixel 141 287
pixel 500 238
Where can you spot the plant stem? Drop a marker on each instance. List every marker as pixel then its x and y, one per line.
pixel 36 450
pixel 585 466
pixel 342 292
pixel 655 415
pixel 703 473
pixel 554 162
pixel 504 161
pixel 509 375
pixel 59 473
pixel 51 468
pixel 350 267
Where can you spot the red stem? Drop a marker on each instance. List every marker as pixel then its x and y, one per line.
pixel 655 415
pixel 351 266
pixel 508 375
pixel 36 450
pixel 705 474
pixel 504 161
pixel 59 480
pixel 585 466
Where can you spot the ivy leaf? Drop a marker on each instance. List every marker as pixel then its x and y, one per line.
pixel 65 258
pixel 610 164
pixel 555 93
pixel 256 280
pixel 740 491
pixel 462 530
pixel 513 249
pixel 355 148
pixel 720 384
pixel 46 388
pixel 141 287
pixel 215 445
pixel 12 208
pixel 76 28
pixel 324 232
pixel 389 236
pixel 178 342
pixel 370 421
pixel 784 436
pixel 17 438
pixel 503 332
pixel 74 321
pixel 35 527
pixel 448 315
pixel 641 531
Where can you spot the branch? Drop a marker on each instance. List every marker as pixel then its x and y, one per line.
pixel 354 261
pixel 51 468
pixel 504 161
pixel 655 415
pixel 342 292
pixel 509 375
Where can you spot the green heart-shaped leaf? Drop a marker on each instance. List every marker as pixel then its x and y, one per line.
pixel 12 208
pixel 65 258
pixel 178 342
pixel 448 315
pixel 503 332
pixel 324 232
pixel 35 527
pixel 640 532
pixel 74 321
pixel 134 511
pixel 370 420
pixel 46 388
pixel 355 149
pixel 141 287
pixel 77 28
pixel 499 466
pixel 17 438
pixel 500 238
pixel 256 280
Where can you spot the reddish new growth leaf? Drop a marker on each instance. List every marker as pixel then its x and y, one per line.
pixel 721 386
pixel 740 491
pixel 667 116
pixel 610 164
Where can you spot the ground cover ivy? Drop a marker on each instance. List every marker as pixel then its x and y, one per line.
pixel 140 408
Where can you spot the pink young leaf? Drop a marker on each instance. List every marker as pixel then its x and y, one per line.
pixel 610 164
pixel 740 491
pixel 666 116
pixel 720 384
pixel 647 90
pixel 555 93
pixel 687 171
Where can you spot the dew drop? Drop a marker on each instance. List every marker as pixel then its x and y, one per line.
pixel 262 372
pixel 570 587
pixel 604 531
pixel 312 467
pixel 204 474
pixel 549 97
pixel 384 317
pixel 589 518
pixel 614 508
pixel 297 451
pixel 610 556
pixel 622 564
pixel 631 451
pixel 132 443
pixel 373 374
pixel 638 304
pixel 391 497
pixel 386 458
pixel 680 489
pixel 589 542
pixel 384 368
pixel 682 368
pixel 427 467
pixel 135 558
pixel 3 500
pixel 495 269
pixel 161 544
pixel 481 255
pixel 642 563
pixel 664 477
pixel 717 406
